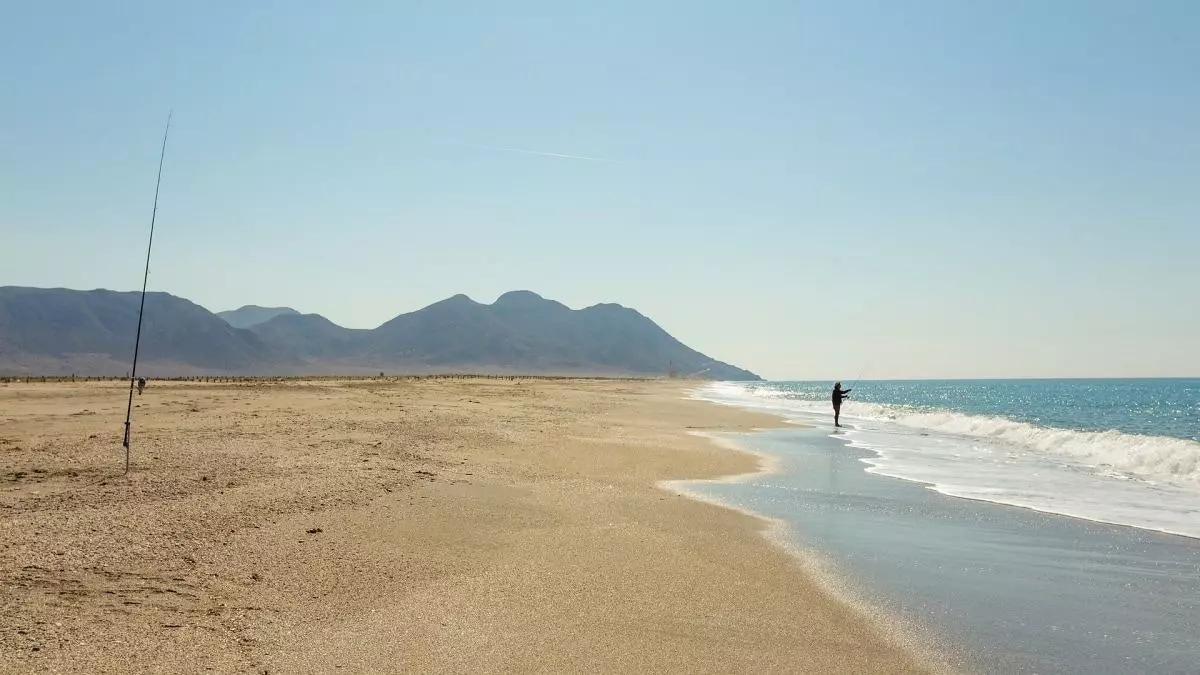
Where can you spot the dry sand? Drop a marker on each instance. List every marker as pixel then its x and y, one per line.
pixel 415 525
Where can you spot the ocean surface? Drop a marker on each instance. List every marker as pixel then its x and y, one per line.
pixel 1031 526
pixel 1114 451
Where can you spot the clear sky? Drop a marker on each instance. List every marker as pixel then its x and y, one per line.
pixel 909 189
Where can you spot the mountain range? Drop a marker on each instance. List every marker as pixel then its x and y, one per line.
pixel 62 331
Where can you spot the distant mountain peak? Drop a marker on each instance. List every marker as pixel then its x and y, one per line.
pixel 457 300
pixel 297 317
pixel 512 298
pixel 252 315
pixel 611 307
pixel 91 332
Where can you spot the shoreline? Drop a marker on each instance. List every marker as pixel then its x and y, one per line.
pixel 966 572
pixel 881 461
pixel 1092 480
pixel 416 525
pixel 815 563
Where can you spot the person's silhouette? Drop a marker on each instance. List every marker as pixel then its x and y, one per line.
pixel 838 395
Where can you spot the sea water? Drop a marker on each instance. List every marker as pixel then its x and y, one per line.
pixel 1114 451
pixel 1029 523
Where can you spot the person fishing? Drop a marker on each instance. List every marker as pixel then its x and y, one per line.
pixel 838 395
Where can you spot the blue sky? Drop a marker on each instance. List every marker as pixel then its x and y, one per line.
pixel 924 189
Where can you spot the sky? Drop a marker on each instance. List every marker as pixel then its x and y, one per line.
pixel 809 190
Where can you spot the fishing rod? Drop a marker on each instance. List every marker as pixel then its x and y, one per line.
pixel 137 340
pixel 860 374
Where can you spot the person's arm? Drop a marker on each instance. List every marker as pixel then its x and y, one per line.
pixel 846 391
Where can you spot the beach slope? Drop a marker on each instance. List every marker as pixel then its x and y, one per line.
pixel 436 524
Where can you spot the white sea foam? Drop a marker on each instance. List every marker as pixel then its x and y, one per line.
pixel 1151 482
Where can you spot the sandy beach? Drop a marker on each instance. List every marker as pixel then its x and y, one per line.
pixel 411 525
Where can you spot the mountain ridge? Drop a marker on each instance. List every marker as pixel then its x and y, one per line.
pixel 252 315
pixel 521 332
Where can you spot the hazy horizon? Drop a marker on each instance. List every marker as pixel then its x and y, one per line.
pixel 927 191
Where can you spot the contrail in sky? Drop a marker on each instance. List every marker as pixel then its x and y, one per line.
pixel 541 153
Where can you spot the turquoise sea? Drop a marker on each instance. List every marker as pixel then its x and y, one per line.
pixel 1118 451
pixel 1024 526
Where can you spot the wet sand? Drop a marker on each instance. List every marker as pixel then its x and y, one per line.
pixel 1002 588
pixel 445 525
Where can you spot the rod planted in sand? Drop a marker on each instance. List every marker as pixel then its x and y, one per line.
pixel 137 340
